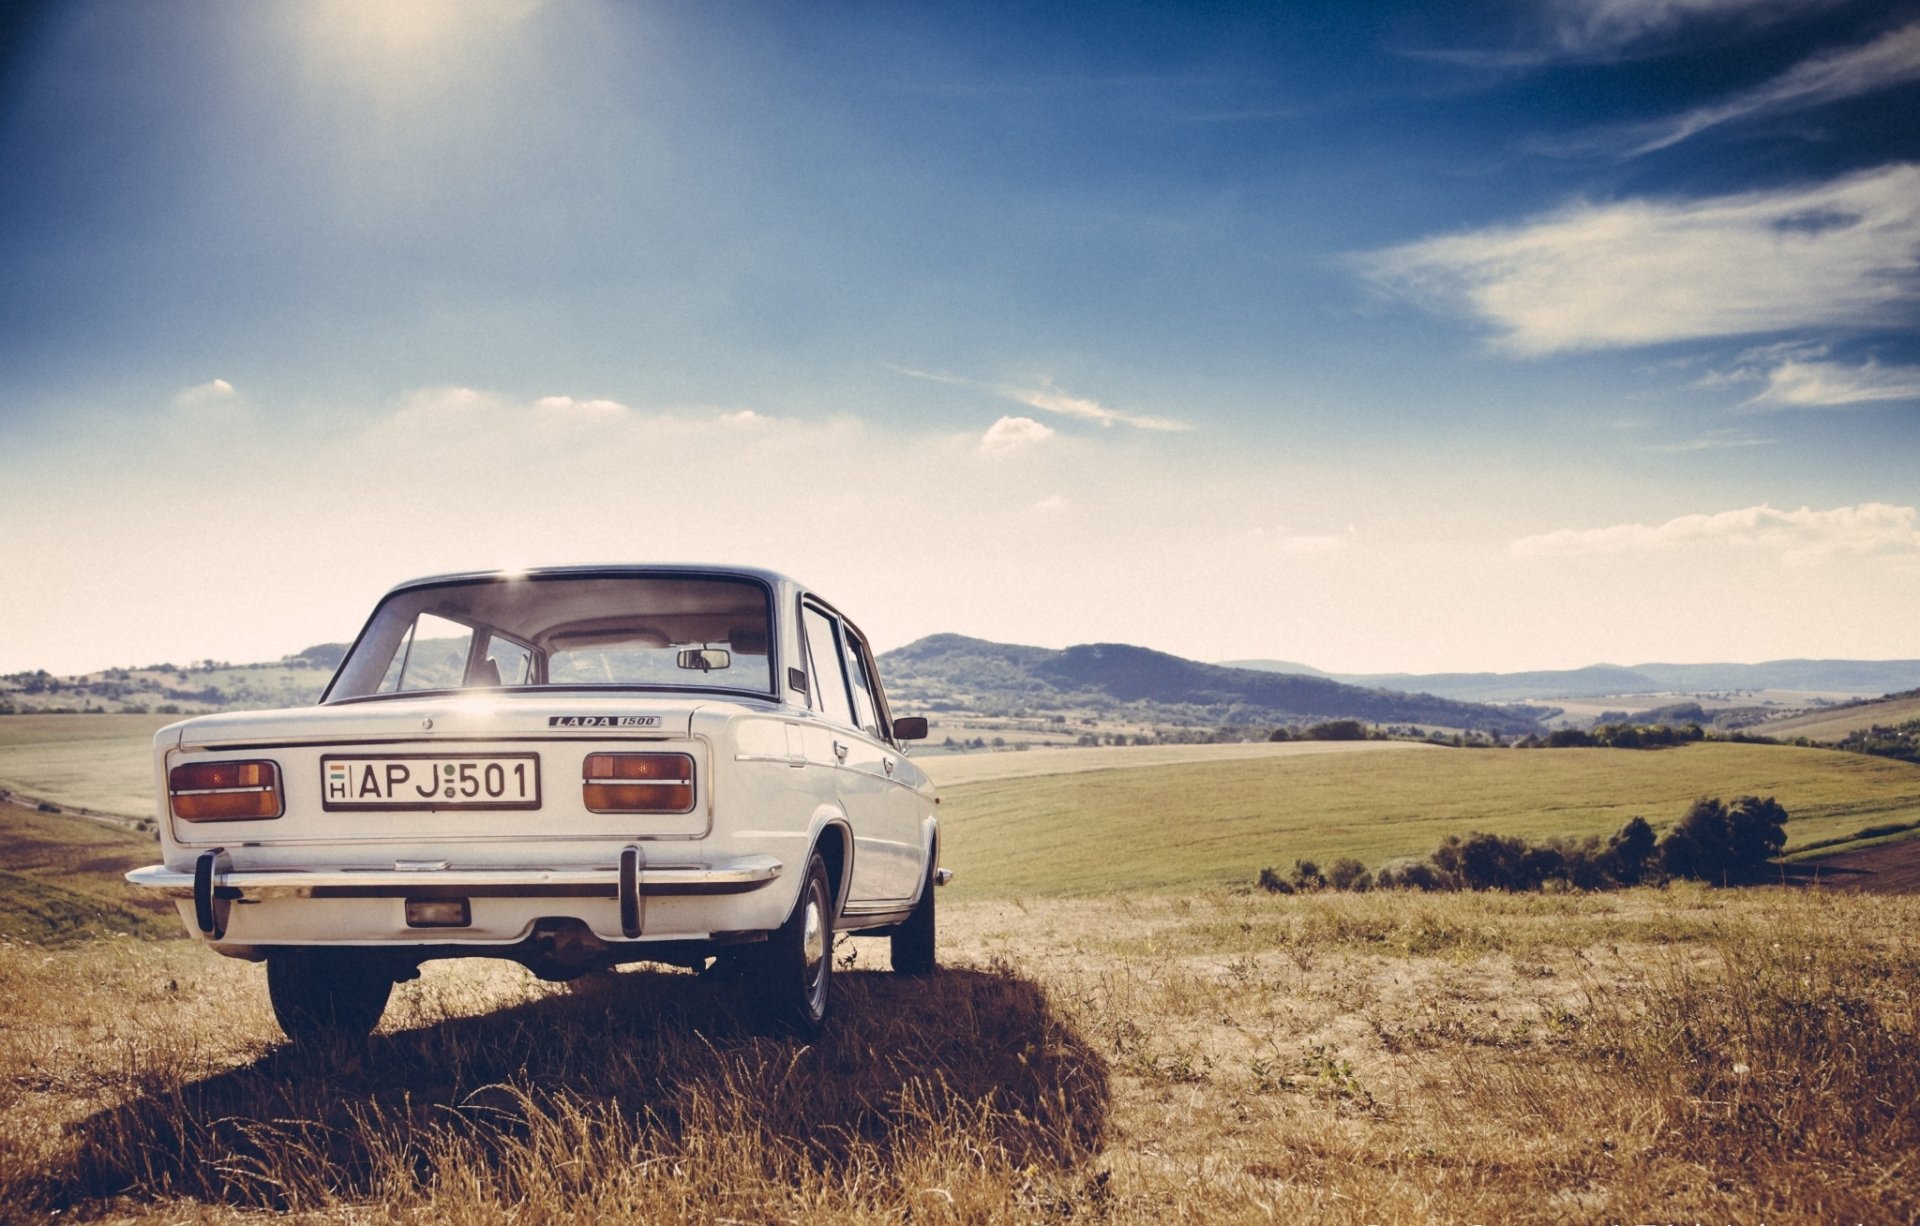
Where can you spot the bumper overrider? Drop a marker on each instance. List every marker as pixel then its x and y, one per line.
pixel 215 885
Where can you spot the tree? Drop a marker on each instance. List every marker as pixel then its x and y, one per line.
pixel 1698 847
pixel 1714 842
pixel 1756 831
pixel 1629 851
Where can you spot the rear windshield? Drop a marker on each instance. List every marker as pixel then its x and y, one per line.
pixel 622 632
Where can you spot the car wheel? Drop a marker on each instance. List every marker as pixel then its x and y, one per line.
pixel 797 960
pixel 320 994
pixel 913 939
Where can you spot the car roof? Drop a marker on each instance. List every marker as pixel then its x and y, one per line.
pixel 614 570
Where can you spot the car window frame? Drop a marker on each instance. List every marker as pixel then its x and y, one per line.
pixel 877 688
pixel 775 652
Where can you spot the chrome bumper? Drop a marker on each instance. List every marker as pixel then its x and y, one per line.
pixel 214 885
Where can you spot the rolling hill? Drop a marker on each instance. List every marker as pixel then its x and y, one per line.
pixel 952 671
pixel 1864 678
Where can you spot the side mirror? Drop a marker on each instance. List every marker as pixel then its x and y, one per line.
pixel 910 728
pixel 705 659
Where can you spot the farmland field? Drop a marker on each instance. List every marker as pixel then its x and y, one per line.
pixel 102 762
pixel 1132 1054
pixel 1218 823
pixel 1835 725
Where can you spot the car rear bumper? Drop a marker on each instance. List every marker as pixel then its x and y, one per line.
pixel 612 898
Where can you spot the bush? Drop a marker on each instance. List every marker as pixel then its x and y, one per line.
pixel 1489 862
pixel 1410 874
pixel 1273 883
pixel 1715 842
pixel 1347 873
pixel 1337 730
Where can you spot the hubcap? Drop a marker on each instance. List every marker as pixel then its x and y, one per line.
pixel 814 946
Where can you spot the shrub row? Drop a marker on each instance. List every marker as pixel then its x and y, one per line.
pixel 1716 842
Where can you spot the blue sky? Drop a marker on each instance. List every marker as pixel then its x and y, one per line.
pixel 1383 336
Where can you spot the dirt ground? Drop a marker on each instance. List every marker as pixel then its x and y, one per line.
pixel 1891 868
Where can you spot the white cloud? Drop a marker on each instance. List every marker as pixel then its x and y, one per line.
pixel 214 391
pixel 585 408
pixel 1014 434
pixel 1052 502
pixel 1050 399
pixel 1891 59
pixel 1869 528
pixel 1797 384
pixel 1645 272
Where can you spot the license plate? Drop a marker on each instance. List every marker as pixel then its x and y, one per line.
pixel 431 781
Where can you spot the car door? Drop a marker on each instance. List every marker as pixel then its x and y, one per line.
pixel 882 808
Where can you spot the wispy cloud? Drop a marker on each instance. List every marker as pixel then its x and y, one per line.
pixel 1646 272
pixel 1561 31
pixel 1586 29
pixel 1869 528
pixel 1015 434
pixel 1892 59
pixel 1050 399
pixel 1712 440
pixel 1828 385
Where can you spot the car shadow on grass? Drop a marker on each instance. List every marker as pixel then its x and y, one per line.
pixel 666 1064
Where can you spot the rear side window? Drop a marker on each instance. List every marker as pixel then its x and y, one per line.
pixel 433 656
pixel 864 709
pixel 829 680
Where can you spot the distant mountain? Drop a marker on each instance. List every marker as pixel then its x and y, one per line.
pixel 1276 666
pixel 1867 678
pixel 953 671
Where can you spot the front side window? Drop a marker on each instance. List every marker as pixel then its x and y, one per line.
pixel 642 632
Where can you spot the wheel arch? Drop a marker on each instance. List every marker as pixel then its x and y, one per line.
pixel 834 841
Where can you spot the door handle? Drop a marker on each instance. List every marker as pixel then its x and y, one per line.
pixel 840 750
pixel 888 763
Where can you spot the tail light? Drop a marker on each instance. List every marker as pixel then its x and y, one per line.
pixel 225 791
pixel 638 783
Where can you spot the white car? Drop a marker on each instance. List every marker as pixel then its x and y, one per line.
pixel 571 768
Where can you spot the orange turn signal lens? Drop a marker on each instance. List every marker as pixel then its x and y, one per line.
pixel 638 783
pixel 225 791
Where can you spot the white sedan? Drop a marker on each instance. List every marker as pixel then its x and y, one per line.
pixel 571 768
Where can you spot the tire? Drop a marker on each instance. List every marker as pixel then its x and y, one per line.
pixel 796 963
pixel 323 994
pixel 913 939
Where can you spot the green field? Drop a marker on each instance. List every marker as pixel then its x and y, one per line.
pixel 1180 826
pixel 102 762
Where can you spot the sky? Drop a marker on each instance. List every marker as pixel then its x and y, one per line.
pixel 1374 336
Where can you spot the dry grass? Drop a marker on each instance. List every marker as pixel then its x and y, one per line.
pixel 1647 1056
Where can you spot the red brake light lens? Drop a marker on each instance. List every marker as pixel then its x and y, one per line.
pixel 638 783
pixel 225 791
